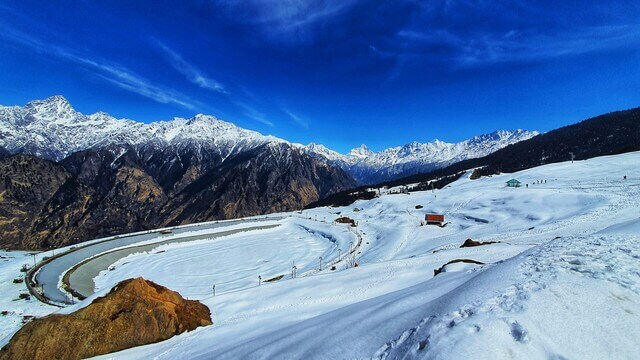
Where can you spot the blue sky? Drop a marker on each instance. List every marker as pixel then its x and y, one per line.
pixel 336 72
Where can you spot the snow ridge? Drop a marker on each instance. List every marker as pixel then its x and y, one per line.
pixel 52 129
pixel 371 167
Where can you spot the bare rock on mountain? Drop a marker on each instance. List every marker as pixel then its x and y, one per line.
pixel 135 312
pixel 116 190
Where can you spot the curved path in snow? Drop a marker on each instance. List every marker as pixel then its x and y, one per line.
pixel 79 280
pixel 47 275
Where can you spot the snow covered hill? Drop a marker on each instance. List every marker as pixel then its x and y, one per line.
pixel 560 278
pixel 369 167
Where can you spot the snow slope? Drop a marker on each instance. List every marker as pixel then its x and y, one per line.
pixel 562 281
pixel 234 261
pixel 13 309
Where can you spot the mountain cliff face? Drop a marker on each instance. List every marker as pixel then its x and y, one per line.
pixel 369 167
pixel 103 192
pixel 26 186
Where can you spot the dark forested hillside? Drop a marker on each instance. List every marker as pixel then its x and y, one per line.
pixel 608 134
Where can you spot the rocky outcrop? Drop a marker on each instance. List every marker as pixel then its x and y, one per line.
pixel 467 261
pixel 135 312
pixel 473 243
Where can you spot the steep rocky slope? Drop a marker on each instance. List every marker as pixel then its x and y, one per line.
pixel 26 186
pixel 135 312
pixel 110 191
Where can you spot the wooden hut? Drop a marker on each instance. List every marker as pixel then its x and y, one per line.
pixel 434 219
pixel 514 183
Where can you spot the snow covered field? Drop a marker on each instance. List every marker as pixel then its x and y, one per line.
pixel 561 281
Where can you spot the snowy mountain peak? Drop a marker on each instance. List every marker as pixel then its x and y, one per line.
pixel 202 118
pixel 361 152
pixel 52 109
pixel 504 135
pixel 52 129
pixel 55 100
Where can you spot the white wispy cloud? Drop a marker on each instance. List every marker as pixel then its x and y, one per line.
pixel 447 34
pixel 254 114
pixel 192 73
pixel 110 72
pixel 297 118
pixel 513 46
pixel 289 20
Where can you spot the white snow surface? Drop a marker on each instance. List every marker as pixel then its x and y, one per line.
pixel 235 261
pixel 562 281
pixel 16 309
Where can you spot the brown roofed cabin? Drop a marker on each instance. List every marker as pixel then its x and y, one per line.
pixel 434 219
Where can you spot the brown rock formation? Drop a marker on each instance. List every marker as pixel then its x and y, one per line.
pixel 346 220
pixel 472 243
pixel 135 312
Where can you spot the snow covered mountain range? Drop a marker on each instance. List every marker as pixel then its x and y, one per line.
pixel 370 167
pixel 53 130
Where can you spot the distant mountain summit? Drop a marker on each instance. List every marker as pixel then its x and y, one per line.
pixel 369 167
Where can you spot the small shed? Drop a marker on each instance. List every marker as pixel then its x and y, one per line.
pixel 514 183
pixel 434 219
